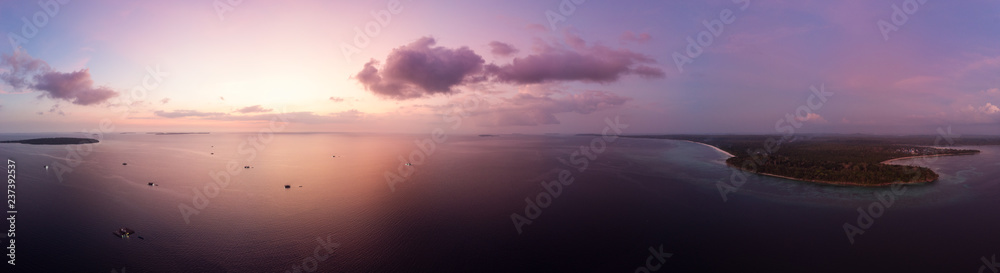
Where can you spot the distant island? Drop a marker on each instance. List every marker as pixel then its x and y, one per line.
pixel 850 160
pixel 54 141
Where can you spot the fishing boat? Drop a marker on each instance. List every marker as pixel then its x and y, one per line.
pixel 123 232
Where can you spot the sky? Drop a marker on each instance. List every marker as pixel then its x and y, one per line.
pixel 568 66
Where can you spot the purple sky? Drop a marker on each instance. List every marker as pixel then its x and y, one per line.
pixel 885 67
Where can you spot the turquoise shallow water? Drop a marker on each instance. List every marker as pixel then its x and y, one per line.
pixel 453 213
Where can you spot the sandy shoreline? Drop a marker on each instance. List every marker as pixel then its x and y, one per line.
pixel 835 183
pixel 918 156
pixel 713 147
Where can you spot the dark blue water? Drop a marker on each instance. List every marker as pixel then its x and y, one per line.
pixel 453 212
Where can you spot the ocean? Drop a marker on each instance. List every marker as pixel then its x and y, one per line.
pixel 510 203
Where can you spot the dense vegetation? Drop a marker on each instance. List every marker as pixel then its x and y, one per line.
pixel 53 141
pixel 835 159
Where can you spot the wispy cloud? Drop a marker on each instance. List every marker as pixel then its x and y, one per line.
pixel 186 113
pixel 641 38
pixel 253 109
pixel 502 49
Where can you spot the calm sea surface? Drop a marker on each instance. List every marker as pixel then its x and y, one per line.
pixel 451 210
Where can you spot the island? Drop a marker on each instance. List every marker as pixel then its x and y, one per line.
pixel 848 160
pixel 54 141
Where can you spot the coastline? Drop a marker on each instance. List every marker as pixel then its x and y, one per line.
pixel 713 147
pixel 919 156
pixel 833 183
pixel 841 183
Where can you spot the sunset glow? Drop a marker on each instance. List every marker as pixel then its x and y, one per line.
pixel 750 63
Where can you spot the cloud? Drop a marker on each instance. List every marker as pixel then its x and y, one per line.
pixel 574 40
pixel 76 87
pixel 537 27
pixel 814 118
pixel 640 38
pixel 253 109
pixel 24 72
pixel 349 114
pixel 164 100
pixel 988 109
pixel 598 64
pixel 186 113
pixel 420 69
pixel 297 117
pixel 21 67
pixel 986 114
pixel 984 62
pixel 56 110
pixel 502 49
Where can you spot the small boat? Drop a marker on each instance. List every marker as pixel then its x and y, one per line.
pixel 123 164
pixel 152 184
pixel 123 232
pixel 288 186
pixel 408 164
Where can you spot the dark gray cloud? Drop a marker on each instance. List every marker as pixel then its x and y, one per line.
pixel 598 64
pixel 253 109
pixel 420 69
pixel 24 72
pixel 502 49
